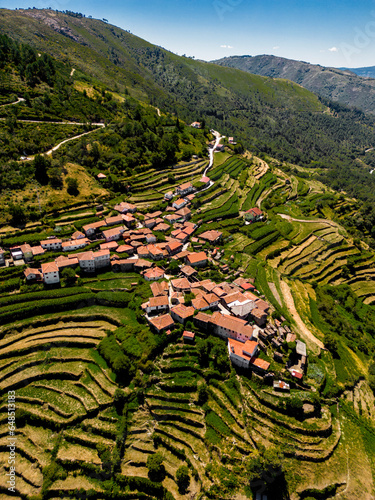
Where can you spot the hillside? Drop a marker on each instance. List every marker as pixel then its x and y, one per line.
pixel 98 391
pixel 343 85
pixel 367 71
pixel 127 244
pixel 274 116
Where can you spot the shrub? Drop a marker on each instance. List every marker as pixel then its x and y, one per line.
pixel 202 394
pixel 156 469
pixel 183 479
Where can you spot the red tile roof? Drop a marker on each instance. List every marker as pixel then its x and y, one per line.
pixel 184 186
pixel 236 325
pixel 172 246
pixel 260 363
pixel 181 283
pixel 179 202
pixel 162 300
pixel 162 322
pixel 255 211
pixel 160 288
pixel 188 270
pixel 242 349
pixel 188 335
pixel 162 227
pixel 199 303
pixel 125 248
pixel 195 258
pixel 29 271
pixel 211 236
pixel 183 212
pixel 49 267
pixel 203 317
pixel 155 273
pixel 182 311
pixel 111 245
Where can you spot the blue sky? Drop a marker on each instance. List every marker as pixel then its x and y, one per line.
pixel 331 33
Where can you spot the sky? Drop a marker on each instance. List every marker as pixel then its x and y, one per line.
pixel 330 33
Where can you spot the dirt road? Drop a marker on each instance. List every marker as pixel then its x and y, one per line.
pixel 297 318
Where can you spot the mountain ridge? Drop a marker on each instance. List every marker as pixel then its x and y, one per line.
pixel 341 85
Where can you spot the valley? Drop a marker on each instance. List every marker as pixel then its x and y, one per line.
pixel 186 311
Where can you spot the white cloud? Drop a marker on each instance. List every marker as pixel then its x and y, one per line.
pixel 333 49
pixel 226 46
pixel 275 47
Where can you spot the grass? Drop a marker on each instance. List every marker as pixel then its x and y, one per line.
pixel 54 199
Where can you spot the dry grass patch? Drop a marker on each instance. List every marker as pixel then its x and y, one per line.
pixel 72 452
pixel 57 198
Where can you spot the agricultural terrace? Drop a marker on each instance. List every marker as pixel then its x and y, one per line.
pixel 99 391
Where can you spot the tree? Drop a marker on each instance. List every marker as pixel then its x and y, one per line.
pixel 156 469
pixel 183 479
pixel 189 296
pixel 119 400
pixel 173 267
pixel 41 164
pixel 265 470
pixel 69 275
pixel 55 176
pixel 294 405
pixel 202 394
pixel 72 186
pixel 18 214
pixel 331 344
pixel 203 350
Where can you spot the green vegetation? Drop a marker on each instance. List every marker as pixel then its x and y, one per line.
pixel 105 402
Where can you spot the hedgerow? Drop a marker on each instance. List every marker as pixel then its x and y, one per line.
pixel 46 306
pixel 45 294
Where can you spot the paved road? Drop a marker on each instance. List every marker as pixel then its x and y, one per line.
pixel 211 157
pixel 59 123
pixel 212 150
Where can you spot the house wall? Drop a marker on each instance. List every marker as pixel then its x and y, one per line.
pixel 87 265
pixel 238 360
pixel 51 278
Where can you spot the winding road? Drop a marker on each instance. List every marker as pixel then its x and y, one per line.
pixel 211 157
pixel 50 151
pixel 20 99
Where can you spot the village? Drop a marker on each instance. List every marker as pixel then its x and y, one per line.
pixel 128 242
pixel 132 241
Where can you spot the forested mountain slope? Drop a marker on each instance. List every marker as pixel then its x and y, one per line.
pixel 273 116
pixel 343 85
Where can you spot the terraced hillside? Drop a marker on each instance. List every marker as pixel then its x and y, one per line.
pixel 86 428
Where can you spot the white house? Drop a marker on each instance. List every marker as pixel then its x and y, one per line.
pixel 113 234
pixel 52 244
pixel 50 273
pixel 157 304
pixel 178 204
pixel 86 261
pixel 241 353
pixel 70 246
pixel 102 258
pixel 185 188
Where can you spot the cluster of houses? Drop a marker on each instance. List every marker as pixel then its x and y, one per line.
pixel 230 310
pixel 126 243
